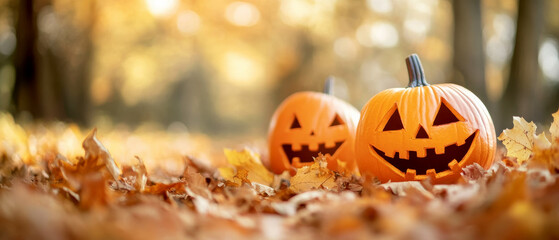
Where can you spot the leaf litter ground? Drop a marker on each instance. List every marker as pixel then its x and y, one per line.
pixel 58 183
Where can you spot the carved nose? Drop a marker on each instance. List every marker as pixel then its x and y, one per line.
pixel 312 133
pixel 421 133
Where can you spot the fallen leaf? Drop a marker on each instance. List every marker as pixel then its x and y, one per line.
pixel 290 207
pixel 135 177
pixel 95 152
pixel 473 172
pixel 554 129
pixel 93 192
pixel 519 140
pixel 196 182
pixel 314 176
pixel 541 142
pixel 248 168
pixel 56 193
pixel 263 189
pixel 404 188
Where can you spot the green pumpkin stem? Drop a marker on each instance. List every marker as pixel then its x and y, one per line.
pixel 415 72
pixel 329 86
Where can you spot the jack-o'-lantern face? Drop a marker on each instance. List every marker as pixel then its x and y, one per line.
pixel 309 123
pixel 424 131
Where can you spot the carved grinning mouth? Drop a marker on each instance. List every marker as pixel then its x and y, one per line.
pixel 439 162
pixel 307 155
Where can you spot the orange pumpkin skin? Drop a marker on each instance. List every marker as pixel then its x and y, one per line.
pixel 325 124
pixel 442 129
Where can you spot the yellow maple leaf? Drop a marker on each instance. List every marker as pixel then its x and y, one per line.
pixel 519 140
pixel 313 177
pixel 248 168
pixel 554 129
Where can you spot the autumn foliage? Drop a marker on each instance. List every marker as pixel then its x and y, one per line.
pixel 51 189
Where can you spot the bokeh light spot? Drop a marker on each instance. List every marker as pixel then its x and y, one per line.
pixel 548 59
pixel 188 22
pixel 504 26
pixel 161 8
pixel 383 35
pixel 242 70
pixel 380 6
pixel 242 14
pixel 7 43
pixel 498 51
pixel 345 48
pixel 295 12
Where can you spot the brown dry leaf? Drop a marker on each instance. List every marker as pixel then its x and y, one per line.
pixel 94 191
pixel 54 197
pixel 142 174
pixel 546 156
pixel 314 176
pixel 95 152
pixel 519 140
pixel 163 188
pixel 402 189
pixel 554 129
pixel 473 172
pixel 134 177
pixel 196 182
pixel 248 168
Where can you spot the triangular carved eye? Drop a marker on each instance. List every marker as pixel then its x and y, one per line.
pixel 445 115
pixel 295 123
pixel 394 123
pixel 337 121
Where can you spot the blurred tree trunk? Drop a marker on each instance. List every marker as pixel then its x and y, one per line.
pixel 469 58
pixel 191 99
pixel 524 93
pixel 77 75
pixel 25 95
pixel 290 80
pixel 56 83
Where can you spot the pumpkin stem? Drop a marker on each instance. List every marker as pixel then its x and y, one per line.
pixel 329 85
pixel 415 72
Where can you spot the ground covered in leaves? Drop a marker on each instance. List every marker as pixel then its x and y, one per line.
pixel 58 182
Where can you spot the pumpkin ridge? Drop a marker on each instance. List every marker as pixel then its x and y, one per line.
pixel 480 114
pixel 315 112
pixel 422 147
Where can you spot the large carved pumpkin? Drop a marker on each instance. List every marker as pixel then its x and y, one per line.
pixel 309 123
pixel 423 130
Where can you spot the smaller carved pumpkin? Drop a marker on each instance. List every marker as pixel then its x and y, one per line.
pixel 309 123
pixel 423 131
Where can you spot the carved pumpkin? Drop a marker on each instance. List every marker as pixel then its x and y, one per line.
pixel 423 130
pixel 309 123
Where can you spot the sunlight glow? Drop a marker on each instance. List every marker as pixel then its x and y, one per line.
pixel 380 6
pixel 295 12
pixel 380 34
pixel 548 59
pixel 242 70
pixel 504 26
pixel 242 14
pixel 188 22
pixel 345 48
pixel 140 79
pixel 498 50
pixel 383 35
pixel 160 8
